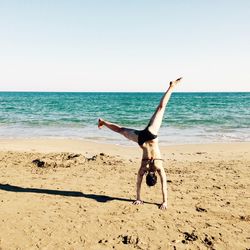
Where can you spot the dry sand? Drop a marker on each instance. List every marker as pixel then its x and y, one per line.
pixel 78 195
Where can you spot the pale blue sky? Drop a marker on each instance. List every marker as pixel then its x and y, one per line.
pixel 129 45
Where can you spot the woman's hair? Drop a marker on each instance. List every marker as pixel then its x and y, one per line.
pixel 151 179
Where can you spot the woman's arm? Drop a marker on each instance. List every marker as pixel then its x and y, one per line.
pixel 140 174
pixel 163 177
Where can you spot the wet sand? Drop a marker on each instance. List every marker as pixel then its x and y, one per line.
pixel 73 194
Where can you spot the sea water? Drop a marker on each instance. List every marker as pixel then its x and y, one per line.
pixel 189 117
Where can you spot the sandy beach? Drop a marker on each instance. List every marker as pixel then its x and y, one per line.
pixel 75 194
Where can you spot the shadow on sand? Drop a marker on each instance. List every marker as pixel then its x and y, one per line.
pixel 96 197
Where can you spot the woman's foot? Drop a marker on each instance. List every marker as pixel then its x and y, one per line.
pixel 173 83
pixel 100 123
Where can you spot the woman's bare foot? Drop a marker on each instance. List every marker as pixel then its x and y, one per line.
pixel 173 83
pixel 100 123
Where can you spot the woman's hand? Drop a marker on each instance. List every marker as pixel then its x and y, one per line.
pixel 164 206
pixel 137 202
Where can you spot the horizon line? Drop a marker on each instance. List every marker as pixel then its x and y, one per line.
pixel 55 91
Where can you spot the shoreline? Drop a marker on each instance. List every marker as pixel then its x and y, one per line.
pixel 45 145
pixel 167 135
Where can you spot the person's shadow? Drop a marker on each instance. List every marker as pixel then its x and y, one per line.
pixel 98 198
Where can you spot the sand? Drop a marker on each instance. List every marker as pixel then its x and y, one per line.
pixel 74 194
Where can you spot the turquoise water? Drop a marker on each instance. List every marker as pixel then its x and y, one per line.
pixel 189 117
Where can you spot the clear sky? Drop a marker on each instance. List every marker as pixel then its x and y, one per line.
pixel 129 45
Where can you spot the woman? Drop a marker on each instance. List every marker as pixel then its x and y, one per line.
pixel 147 139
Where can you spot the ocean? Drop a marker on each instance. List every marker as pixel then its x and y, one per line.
pixel 189 117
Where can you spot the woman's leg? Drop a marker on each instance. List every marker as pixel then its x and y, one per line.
pixel 114 127
pixel 129 133
pixel 156 120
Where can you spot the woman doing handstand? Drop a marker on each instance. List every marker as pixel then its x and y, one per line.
pixel 147 139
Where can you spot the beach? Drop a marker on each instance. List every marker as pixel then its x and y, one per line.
pixel 77 194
